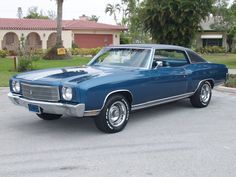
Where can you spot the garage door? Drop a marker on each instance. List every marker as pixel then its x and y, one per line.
pixel 93 40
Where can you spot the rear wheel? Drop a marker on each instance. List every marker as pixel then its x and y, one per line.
pixel 202 96
pixel 45 116
pixel 114 116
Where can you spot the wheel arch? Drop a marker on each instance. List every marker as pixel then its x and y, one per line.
pixel 210 80
pixel 126 93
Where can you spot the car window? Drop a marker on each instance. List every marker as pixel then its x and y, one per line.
pixel 195 58
pixel 170 58
pixel 123 57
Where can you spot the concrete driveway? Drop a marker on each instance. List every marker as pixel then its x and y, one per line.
pixel 172 140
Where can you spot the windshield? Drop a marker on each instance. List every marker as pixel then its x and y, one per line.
pixel 125 57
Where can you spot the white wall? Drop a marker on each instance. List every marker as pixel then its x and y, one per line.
pixel 66 36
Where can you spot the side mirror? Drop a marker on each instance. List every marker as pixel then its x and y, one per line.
pixel 159 64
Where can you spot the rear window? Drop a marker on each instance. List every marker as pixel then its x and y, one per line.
pixel 195 58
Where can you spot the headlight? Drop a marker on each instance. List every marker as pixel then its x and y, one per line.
pixel 16 86
pixel 67 93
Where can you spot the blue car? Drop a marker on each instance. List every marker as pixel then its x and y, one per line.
pixel 118 80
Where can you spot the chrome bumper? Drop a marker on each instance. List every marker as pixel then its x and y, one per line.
pixel 50 107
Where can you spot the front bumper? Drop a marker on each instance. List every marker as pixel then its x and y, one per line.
pixel 50 107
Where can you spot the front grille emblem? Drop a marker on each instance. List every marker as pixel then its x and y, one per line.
pixel 30 92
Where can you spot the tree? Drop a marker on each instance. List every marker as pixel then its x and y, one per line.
pixel 53 52
pixel 225 20
pixel 112 9
pixel 52 14
pixel 33 13
pixel 59 22
pixel 19 12
pixel 173 21
pixel 93 18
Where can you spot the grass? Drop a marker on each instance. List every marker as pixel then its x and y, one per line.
pixel 229 59
pixel 7 66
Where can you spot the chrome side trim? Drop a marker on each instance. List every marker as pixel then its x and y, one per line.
pixel 160 101
pixel 154 102
pixel 92 113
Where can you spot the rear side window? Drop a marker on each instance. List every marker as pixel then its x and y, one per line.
pixel 195 58
pixel 171 57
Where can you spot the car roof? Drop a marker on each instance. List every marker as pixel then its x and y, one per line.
pixel 155 46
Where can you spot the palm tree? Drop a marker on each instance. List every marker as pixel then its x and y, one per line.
pixel 59 22
pixel 53 52
pixel 112 10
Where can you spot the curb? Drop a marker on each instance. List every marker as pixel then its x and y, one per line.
pixel 225 89
pixel 4 88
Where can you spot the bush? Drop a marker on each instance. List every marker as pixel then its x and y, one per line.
pixel 234 51
pixel 51 54
pixel 74 45
pixel 211 49
pixel 231 81
pixel 85 52
pixel 74 51
pixel 125 38
pixel 3 53
pixel 25 64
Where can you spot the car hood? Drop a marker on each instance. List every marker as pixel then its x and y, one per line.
pixel 68 75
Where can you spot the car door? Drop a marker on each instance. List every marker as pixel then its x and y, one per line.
pixel 168 76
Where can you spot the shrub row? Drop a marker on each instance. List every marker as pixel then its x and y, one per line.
pixel 211 49
pixel 231 81
pixel 84 51
pixel 41 52
pixel 3 53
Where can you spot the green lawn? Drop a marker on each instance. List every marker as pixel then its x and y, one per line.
pixel 6 65
pixel 228 59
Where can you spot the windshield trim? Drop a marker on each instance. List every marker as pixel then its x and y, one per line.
pixel 121 47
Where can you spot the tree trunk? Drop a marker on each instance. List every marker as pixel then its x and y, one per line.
pixel 59 22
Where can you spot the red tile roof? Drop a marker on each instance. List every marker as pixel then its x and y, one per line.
pixel 42 24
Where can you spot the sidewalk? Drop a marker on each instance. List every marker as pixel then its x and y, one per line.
pixel 232 71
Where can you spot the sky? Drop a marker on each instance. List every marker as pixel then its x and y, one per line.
pixel 72 9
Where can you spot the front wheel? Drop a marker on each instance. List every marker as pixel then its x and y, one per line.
pixel 114 116
pixel 202 96
pixel 45 116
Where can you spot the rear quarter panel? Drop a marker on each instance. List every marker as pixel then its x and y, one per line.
pixel 205 71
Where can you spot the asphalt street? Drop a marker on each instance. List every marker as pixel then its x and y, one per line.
pixel 172 140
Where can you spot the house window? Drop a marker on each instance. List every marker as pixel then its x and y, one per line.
pixel 212 42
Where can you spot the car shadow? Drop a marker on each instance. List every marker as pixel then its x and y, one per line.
pixel 80 126
pixel 158 111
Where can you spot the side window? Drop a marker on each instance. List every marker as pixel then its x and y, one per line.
pixel 171 58
pixel 195 58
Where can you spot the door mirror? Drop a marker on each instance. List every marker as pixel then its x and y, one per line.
pixel 156 64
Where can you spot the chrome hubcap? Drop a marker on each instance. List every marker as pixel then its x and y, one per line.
pixel 205 93
pixel 117 113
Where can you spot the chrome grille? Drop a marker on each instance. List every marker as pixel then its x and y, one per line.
pixel 39 92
